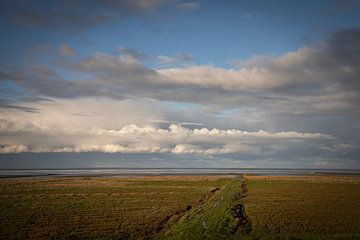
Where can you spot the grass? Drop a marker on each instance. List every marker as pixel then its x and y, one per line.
pixel 181 207
pixel 97 208
pixel 215 219
pixel 304 207
pixel 276 208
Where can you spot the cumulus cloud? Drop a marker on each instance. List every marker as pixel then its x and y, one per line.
pixel 135 139
pixel 13 149
pixel 322 71
pixel 132 53
pixel 303 69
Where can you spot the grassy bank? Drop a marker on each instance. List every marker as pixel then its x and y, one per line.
pixel 221 217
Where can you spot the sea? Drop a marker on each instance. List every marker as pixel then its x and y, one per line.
pixel 125 172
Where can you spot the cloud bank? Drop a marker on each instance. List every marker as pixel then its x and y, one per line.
pixel 320 71
pixel 134 139
pixel 306 101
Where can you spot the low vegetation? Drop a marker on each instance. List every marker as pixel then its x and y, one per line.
pixel 221 217
pixel 181 207
pixel 98 208
pixel 309 207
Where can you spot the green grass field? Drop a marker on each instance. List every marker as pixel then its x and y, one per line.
pixel 325 207
pixel 180 207
pixel 110 208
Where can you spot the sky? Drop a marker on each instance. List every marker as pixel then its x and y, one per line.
pixel 171 83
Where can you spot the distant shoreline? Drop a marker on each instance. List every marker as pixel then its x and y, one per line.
pixel 128 172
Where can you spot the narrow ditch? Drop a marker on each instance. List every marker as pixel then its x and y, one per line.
pixel 164 223
pixel 205 227
pixel 243 225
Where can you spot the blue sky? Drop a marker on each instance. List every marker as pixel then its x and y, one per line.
pixel 83 78
pixel 213 33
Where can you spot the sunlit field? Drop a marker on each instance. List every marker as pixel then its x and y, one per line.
pixel 305 207
pixel 181 207
pixel 98 207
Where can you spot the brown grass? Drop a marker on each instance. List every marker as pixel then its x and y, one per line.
pixel 106 208
pixel 324 205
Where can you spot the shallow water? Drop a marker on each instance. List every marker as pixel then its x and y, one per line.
pixel 119 172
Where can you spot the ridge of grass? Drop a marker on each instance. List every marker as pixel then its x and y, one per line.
pixel 222 216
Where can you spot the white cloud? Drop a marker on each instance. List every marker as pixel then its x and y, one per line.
pixel 13 148
pixel 118 104
pixel 91 136
pixel 305 66
pixel 315 73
